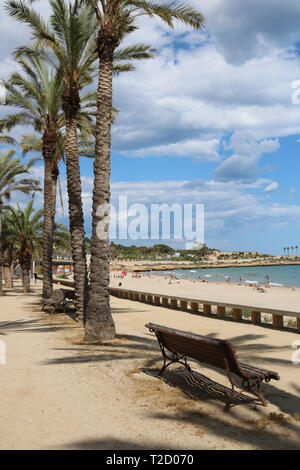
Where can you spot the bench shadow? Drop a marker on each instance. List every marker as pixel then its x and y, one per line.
pixel 198 387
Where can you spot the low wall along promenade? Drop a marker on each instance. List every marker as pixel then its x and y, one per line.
pixel 211 308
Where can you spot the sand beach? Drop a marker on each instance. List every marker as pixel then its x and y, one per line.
pixel 285 298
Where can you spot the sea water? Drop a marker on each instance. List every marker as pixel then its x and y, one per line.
pixel 288 276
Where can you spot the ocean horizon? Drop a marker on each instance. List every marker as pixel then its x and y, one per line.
pixel 281 276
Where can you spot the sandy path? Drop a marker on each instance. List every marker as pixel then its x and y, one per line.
pixel 57 392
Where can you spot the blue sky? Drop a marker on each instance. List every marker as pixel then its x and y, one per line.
pixel 210 120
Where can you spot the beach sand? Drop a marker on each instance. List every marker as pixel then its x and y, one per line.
pixel 60 393
pixel 285 298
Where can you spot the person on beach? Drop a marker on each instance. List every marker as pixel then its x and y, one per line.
pixel 35 275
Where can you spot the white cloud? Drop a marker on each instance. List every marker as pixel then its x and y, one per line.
pixel 271 187
pixel 243 164
pixel 245 29
pixel 228 207
pixel 170 101
pixel 198 149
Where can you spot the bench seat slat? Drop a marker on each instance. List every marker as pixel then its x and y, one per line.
pixel 255 371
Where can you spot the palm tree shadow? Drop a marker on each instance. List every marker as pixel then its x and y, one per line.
pixel 122 347
pixel 111 443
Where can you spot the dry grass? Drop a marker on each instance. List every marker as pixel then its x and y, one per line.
pixel 277 419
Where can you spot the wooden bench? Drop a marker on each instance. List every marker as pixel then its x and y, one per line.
pixel 215 352
pixel 59 299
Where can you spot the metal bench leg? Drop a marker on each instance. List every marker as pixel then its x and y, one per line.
pixel 234 394
pixel 247 387
pixel 259 393
pixel 164 366
pixel 172 361
pixel 175 358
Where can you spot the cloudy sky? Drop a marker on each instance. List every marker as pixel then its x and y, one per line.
pixel 212 120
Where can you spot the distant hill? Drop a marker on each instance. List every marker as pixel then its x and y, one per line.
pixel 159 251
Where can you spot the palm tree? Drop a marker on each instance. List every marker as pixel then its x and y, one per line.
pixel 11 172
pixel 116 18
pixel 292 248
pixel 26 227
pixel 36 93
pixel 62 239
pixel 31 143
pixel 71 38
pixel 296 247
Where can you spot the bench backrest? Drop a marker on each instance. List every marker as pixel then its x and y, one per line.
pixel 68 294
pixel 202 348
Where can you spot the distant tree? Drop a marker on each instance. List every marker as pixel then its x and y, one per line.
pixel 7 250
pixel 26 228
pixel 12 173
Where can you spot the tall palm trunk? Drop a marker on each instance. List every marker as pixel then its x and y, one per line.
pixel 25 263
pixel 99 322
pixel 49 147
pixel 7 259
pixel 55 173
pixel 71 104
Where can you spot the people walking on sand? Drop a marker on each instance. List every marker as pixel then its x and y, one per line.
pixel 35 275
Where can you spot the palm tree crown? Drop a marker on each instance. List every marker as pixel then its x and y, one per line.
pixel 10 170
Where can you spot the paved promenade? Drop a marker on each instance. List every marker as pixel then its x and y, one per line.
pixel 60 393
